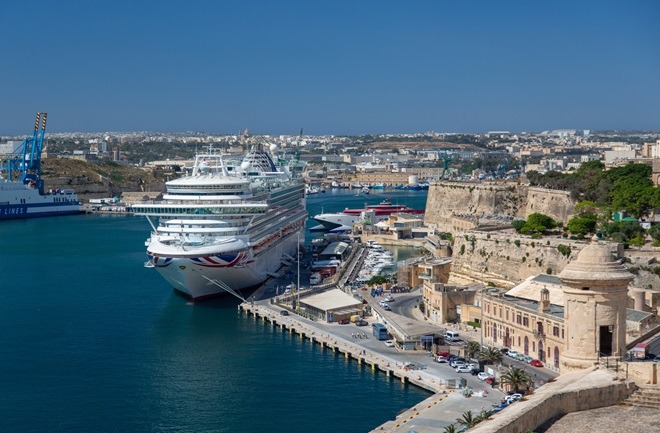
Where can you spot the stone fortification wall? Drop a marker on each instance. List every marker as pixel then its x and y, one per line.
pixel 448 202
pixel 448 199
pixel 571 392
pixel 507 258
pixel 554 203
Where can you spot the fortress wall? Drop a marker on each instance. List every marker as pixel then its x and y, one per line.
pixel 572 392
pixel 449 199
pixel 508 258
pixel 554 203
pixel 446 199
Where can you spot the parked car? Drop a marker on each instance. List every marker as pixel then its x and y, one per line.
pixel 284 312
pixel 474 371
pixel 457 362
pixel 386 307
pixel 389 298
pixel 656 359
pixel 361 323
pixel 440 359
pixel 527 359
pixel 343 321
pixel 499 407
pixel 512 353
pixel 389 343
pixel 504 350
pixel 536 363
pixel 483 375
pixel 463 369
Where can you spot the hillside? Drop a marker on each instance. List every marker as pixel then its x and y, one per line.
pixel 91 180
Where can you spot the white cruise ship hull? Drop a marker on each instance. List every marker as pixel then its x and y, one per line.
pixel 191 275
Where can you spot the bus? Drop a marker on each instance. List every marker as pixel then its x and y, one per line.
pixel 380 331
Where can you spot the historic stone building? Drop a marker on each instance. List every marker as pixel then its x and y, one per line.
pixel 528 318
pixel 569 321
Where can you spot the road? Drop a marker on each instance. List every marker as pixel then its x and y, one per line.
pixel 405 304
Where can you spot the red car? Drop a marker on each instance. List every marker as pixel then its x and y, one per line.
pixel 536 363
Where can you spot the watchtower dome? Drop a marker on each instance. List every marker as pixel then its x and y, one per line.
pixel 596 289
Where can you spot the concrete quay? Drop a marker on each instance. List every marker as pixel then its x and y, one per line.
pixel 412 367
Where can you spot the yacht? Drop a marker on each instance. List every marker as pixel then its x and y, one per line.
pixel 224 227
pixel 343 221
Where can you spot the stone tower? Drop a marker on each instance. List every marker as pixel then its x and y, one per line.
pixel 596 296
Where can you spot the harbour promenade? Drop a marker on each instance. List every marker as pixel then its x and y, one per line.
pixel 411 367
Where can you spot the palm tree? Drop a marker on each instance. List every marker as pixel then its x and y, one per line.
pixel 472 348
pixel 451 428
pixel 484 414
pixel 491 355
pixel 468 419
pixel 517 378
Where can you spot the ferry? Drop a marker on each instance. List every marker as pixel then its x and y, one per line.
pixel 22 192
pixel 226 227
pixel 343 221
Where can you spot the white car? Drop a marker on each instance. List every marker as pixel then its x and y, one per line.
pixel 389 343
pixel 483 375
pixel 440 359
pixel 389 299
pixel 463 369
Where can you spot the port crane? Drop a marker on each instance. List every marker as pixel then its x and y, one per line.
pixel 25 162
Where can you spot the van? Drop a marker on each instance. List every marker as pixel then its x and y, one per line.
pixel 452 336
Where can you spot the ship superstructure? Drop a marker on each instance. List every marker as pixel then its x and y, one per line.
pixel 225 227
pixel 22 192
pixel 343 221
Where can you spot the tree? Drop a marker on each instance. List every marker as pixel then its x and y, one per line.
pixel 472 348
pixel 654 232
pixel 484 415
pixel 491 355
pixel 539 223
pixel 517 378
pixel 583 224
pixel 451 428
pixel 468 419
pixel 518 225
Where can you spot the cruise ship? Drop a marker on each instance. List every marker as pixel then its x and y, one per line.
pixel 343 221
pixel 22 192
pixel 224 227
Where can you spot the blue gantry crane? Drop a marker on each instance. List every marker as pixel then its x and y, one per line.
pixel 24 163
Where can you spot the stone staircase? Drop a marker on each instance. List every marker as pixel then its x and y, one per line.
pixel 645 396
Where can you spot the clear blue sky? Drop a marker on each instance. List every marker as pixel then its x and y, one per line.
pixel 330 67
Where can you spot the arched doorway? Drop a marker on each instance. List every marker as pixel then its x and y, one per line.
pixel 557 357
pixel 507 339
pixel 541 352
pixel 526 346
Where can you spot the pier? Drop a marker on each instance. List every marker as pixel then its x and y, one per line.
pixel 389 366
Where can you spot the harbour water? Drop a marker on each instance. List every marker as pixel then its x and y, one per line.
pixel 90 340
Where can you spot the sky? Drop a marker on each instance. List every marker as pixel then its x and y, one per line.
pixel 330 67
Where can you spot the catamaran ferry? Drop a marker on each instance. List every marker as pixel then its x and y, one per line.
pixel 224 227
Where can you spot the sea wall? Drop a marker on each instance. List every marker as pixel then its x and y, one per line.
pixel 507 258
pixel 455 206
pixel 572 392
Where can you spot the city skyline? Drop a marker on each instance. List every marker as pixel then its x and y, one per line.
pixel 337 68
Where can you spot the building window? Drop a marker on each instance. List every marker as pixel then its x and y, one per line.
pixel 507 314
pixel 555 331
pixel 500 312
pixel 518 319
pixel 562 333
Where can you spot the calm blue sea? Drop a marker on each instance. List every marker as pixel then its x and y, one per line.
pixel 91 341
